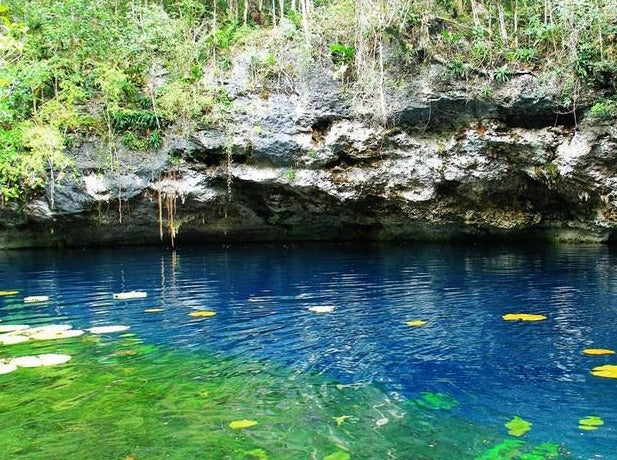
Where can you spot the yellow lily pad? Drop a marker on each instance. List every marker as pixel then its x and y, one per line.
pixel 13 338
pixel 416 323
pixel 240 424
pixel 48 359
pixel 518 427
pixel 523 317
pixel 153 310
pixel 339 420
pixel 8 293
pixel 608 371
pixel 202 314
pixel 590 423
pixel 598 351
pixel 55 334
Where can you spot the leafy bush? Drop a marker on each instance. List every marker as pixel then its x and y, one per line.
pixel 342 54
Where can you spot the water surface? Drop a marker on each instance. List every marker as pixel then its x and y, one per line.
pixel 171 389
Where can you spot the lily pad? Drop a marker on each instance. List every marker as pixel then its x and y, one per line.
pixel 12 339
pixel 523 317
pixel 13 327
pixel 608 371
pixel 130 295
pixel 51 334
pixel 416 323
pixel 6 368
pixel 108 329
pixel 322 309
pixel 8 293
pixel 240 424
pixel 340 455
pixel 202 314
pixel 598 351
pixel 48 328
pixel 48 359
pixel 36 299
pixel 340 419
pixel 153 310
pixel 518 427
pixel 590 423
pixel 437 401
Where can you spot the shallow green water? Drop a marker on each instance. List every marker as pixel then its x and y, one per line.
pixel 121 398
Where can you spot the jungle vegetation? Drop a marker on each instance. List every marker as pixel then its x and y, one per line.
pixel 124 71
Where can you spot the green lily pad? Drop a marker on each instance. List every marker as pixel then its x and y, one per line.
pixel 340 455
pixel 437 401
pixel 590 423
pixel 518 427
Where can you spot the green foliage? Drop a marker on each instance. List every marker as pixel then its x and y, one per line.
pixel 604 109
pixel 342 54
pixel 124 119
pixel 503 74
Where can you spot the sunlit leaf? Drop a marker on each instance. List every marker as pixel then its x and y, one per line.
pixel 153 310
pixel 340 419
pixel 608 371
pixel 36 299
pixel 202 314
pixel 598 351
pixel 130 295
pixel 523 317
pixel 107 329
pixel 590 423
pixel 56 334
pixel 240 424
pixel 339 455
pixel 8 293
pixel 13 339
pixel 416 323
pixel 6 368
pixel 322 309
pixel 518 427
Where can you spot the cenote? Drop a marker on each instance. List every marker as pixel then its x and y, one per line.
pixel 267 378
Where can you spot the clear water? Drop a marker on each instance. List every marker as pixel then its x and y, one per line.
pixel 171 389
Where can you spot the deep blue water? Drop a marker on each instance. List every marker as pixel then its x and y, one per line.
pixel 495 369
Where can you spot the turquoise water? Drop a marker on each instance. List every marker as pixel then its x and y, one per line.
pixel 442 390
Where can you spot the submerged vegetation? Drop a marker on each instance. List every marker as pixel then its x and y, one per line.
pixel 125 71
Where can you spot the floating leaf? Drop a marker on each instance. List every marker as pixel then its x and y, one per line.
pixel 437 401
pixel 258 454
pixel 340 419
pixel 51 334
pixel 12 339
pixel 153 310
pixel 8 293
pixel 598 351
pixel 13 328
pixel 608 371
pixel 382 421
pixel 544 451
pixel 590 423
pixel 202 314
pixel 130 295
pixel 49 359
pixel 322 309
pixel 48 328
pixel 523 317
pixel 6 368
pixel 518 427
pixel 240 424
pixel 107 329
pixel 36 299
pixel 339 455
pixel 416 323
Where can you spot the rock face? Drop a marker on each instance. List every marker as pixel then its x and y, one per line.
pixel 304 163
